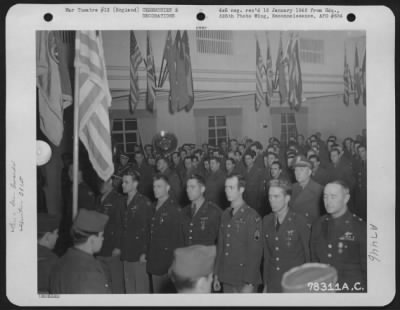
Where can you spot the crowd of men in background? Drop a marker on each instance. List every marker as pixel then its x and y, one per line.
pixel 265 209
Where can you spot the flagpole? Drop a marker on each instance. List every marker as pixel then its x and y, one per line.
pixel 75 142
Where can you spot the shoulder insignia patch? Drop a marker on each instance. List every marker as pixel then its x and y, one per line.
pixel 257 235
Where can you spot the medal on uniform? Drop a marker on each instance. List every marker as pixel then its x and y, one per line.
pixel 289 237
pixel 340 247
pixel 203 223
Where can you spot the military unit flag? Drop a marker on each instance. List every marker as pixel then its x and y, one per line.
pixel 346 80
pixel 269 75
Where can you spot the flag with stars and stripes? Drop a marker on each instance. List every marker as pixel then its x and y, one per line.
pixel 94 99
pixel 135 60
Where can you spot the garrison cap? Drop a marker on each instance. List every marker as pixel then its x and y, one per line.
pixel 194 262
pixel 302 161
pixel 90 221
pixel 297 279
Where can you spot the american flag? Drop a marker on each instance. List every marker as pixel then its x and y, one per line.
pixel 269 74
pixel 346 80
pixel 151 76
pixel 94 99
pixel 357 79
pixel 259 97
pixel 295 78
pixel 135 58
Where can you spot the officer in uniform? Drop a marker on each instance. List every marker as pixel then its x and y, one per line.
pixel 319 174
pixel 120 169
pixel 165 235
pixel 136 217
pixel 215 183
pixel 339 239
pixel 192 269
pixel 239 248
pixel 254 192
pixel 360 192
pixel 110 202
pixel 286 237
pixel 176 190
pixel 307 194
pixel 201 218
pixel 78 271
pixel 146 173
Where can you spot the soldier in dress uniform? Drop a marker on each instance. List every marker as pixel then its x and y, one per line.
pixel 258 149
pixel 165 235
pixel 215 183
pixel 136 217
pixel 339 239
pixel 78 271
pixel 120 169
pixel 360 192
pixel 307 194
pixel 192 269
pixel 110 202
pixel 319 174
pixel 201 218
pixel 286 237
pixel 239 248
pixel 146 173
pixel 254 193
pixel 176 190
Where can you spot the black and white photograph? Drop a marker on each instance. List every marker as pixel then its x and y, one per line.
pixel 203 160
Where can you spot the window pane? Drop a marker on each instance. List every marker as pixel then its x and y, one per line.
pixel 117 124
pixel 221 132
pixel 211 121
pixel 130 137
pixel 118 137
pixel 130 147
pixel 131 124
pixel 211 133
pixel 291 118
pixel 221 121
pixel 120 147
pixel 283 117
pixel 211 142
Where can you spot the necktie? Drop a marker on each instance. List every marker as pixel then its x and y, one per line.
pixel 277 225
pixel 193 210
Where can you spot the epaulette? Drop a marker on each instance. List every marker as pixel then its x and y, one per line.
pixel 357 218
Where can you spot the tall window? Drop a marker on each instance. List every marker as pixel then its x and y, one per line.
pixel 312 51
pixel 217 130
pixel 288 126
pixel 214 42
pixel 125 134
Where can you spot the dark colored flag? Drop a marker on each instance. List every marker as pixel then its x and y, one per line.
pixel 357 79
pixel 135 60
pixel 295 78
pixel 269 75
pixel 346 80
pixel 151 76
pixel 188 71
